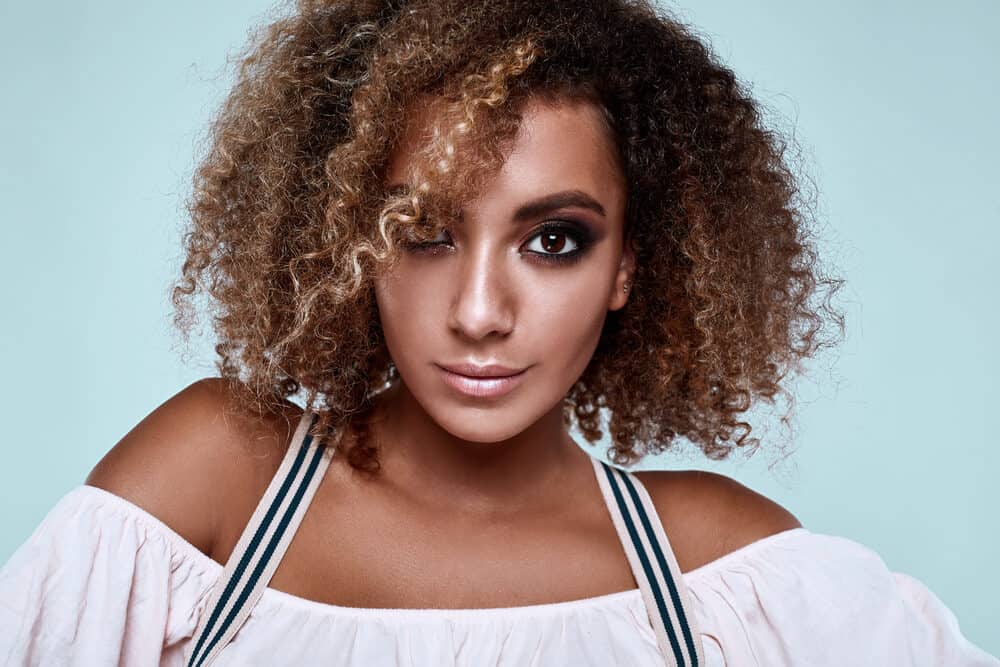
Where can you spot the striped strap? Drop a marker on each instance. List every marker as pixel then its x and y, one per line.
pixel 653 565
pixel 262 544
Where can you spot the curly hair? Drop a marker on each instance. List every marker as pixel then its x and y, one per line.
pixel 291 218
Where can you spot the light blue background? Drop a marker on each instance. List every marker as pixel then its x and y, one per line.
pixel 894 102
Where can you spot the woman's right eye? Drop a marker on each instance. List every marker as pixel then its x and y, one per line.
pixel 442 238
pixel 437 239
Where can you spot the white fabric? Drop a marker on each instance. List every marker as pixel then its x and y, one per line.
pixel 102 582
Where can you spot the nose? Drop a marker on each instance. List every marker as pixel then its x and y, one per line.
pixel 483 300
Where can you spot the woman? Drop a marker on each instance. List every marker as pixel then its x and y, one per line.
pixel 458 229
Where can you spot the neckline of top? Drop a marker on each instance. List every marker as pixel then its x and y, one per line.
pixel 215 568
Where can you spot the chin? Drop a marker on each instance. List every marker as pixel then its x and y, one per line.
pixel 482 425
pixel 493 421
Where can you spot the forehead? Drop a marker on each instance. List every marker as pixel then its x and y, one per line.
pixel 565 144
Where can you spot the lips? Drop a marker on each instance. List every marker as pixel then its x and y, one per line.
pixel 482 371
pixel 477 381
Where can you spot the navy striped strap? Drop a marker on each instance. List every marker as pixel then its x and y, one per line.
pixel 653 565
pixel 262 544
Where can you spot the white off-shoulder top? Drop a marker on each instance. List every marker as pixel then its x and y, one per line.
pixel 102 582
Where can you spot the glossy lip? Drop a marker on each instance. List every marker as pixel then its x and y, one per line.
pixel 489 381
pixel 481 370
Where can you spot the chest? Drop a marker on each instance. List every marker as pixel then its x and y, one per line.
pixel 357 547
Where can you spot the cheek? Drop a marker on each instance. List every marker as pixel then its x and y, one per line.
pixel 409 306
pixel 567 316
pixel 396 306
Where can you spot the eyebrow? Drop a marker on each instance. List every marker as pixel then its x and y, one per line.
pixel 567 198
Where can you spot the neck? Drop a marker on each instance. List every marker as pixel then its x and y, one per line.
pixel 424 461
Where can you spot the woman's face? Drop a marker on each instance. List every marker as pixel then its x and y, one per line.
pixel 523 280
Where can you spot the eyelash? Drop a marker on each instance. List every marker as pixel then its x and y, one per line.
pixel 576 232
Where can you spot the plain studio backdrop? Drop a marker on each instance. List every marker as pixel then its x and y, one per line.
pixel 893 103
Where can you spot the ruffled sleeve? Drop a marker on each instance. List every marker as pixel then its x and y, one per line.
pixel 805 598
pixel 100 582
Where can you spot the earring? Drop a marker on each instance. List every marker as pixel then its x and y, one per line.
pixel 625 287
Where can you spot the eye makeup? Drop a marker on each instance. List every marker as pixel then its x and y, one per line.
pixel 579 234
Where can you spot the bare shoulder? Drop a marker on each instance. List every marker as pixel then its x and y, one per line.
pixel 186 460
pixel 707 515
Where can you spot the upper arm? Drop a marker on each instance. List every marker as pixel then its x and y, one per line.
pixel 184 460
pixel 707 515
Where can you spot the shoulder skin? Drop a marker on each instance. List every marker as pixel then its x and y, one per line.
pixel 707 515
pixel 187 460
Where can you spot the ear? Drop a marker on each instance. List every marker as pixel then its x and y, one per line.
pixel 624 276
